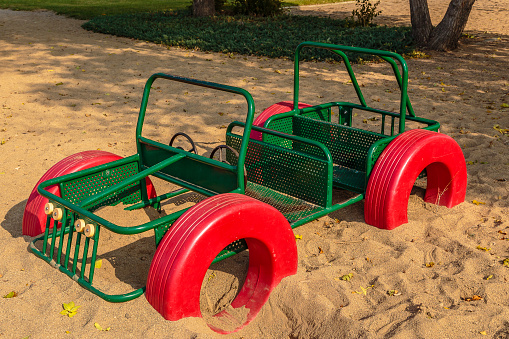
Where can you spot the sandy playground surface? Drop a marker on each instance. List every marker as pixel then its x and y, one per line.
pixel 65 90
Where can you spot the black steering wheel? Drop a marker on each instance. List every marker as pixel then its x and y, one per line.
pixel 193 146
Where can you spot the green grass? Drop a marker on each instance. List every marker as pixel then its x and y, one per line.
pixel 310 2
pixel 275 37
pixel 88 9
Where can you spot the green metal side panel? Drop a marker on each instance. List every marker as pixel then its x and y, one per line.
pixel 348 146
pixel 77 190
pixel 292 208
pixel 285 125
pixel 290 172
pixel 190 172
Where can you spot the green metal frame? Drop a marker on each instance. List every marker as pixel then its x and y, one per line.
pixel 153 158
pixel 392 58
pixel 125 180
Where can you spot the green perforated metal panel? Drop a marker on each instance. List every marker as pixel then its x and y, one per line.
pixel 77 190
pixel 292 208
pixel 348 146
pixel 285 125
pixel 293 173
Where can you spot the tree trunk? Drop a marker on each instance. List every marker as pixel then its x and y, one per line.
pixel 446 34
pixel 421 21
pixel 203 8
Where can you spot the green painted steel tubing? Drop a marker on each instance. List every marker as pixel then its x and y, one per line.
pixel 53 238
pixel 46 234
pixel 327 155
pixel 398 79
pixel 369 162
pixel 212 85
pixel 69 239
pixel 432 124
pixel 157 199
pixel 94 255
pixel 352 77
pixel 84 258
pixel 132 179
pixel 62 229
pixel 82 282
pixel 340 50
pixel 76 252
pixel 109 225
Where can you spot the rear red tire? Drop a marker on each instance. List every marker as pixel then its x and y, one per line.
pixel 399 165
pixel 187 250
pixel 280 107
pixel 34 218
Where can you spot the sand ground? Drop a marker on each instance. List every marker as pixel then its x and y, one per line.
pixel 64 90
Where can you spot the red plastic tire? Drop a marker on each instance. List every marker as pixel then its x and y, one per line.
pixel 280 107
pixel 187 250
pixel 34 218
pixel 398 167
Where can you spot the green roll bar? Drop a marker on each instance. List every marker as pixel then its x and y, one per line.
pixel 212 85
pixel 390 57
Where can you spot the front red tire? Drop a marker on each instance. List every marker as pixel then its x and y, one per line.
pixel 187 250
pixel 34 218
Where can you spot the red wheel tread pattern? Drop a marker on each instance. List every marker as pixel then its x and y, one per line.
pixel 34 218
pixel 398 167
pixel 280 107
pixel 187 250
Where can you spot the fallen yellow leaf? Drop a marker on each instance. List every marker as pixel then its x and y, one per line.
pixel 10 295
pixel 364 290
pixel 347 277
pixel 70 309
pixel 100 328
pixel 298 236
pixel 99 263
pixel 475 202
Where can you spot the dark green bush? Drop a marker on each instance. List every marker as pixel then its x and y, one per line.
pixel 257 7
pixel 275 37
